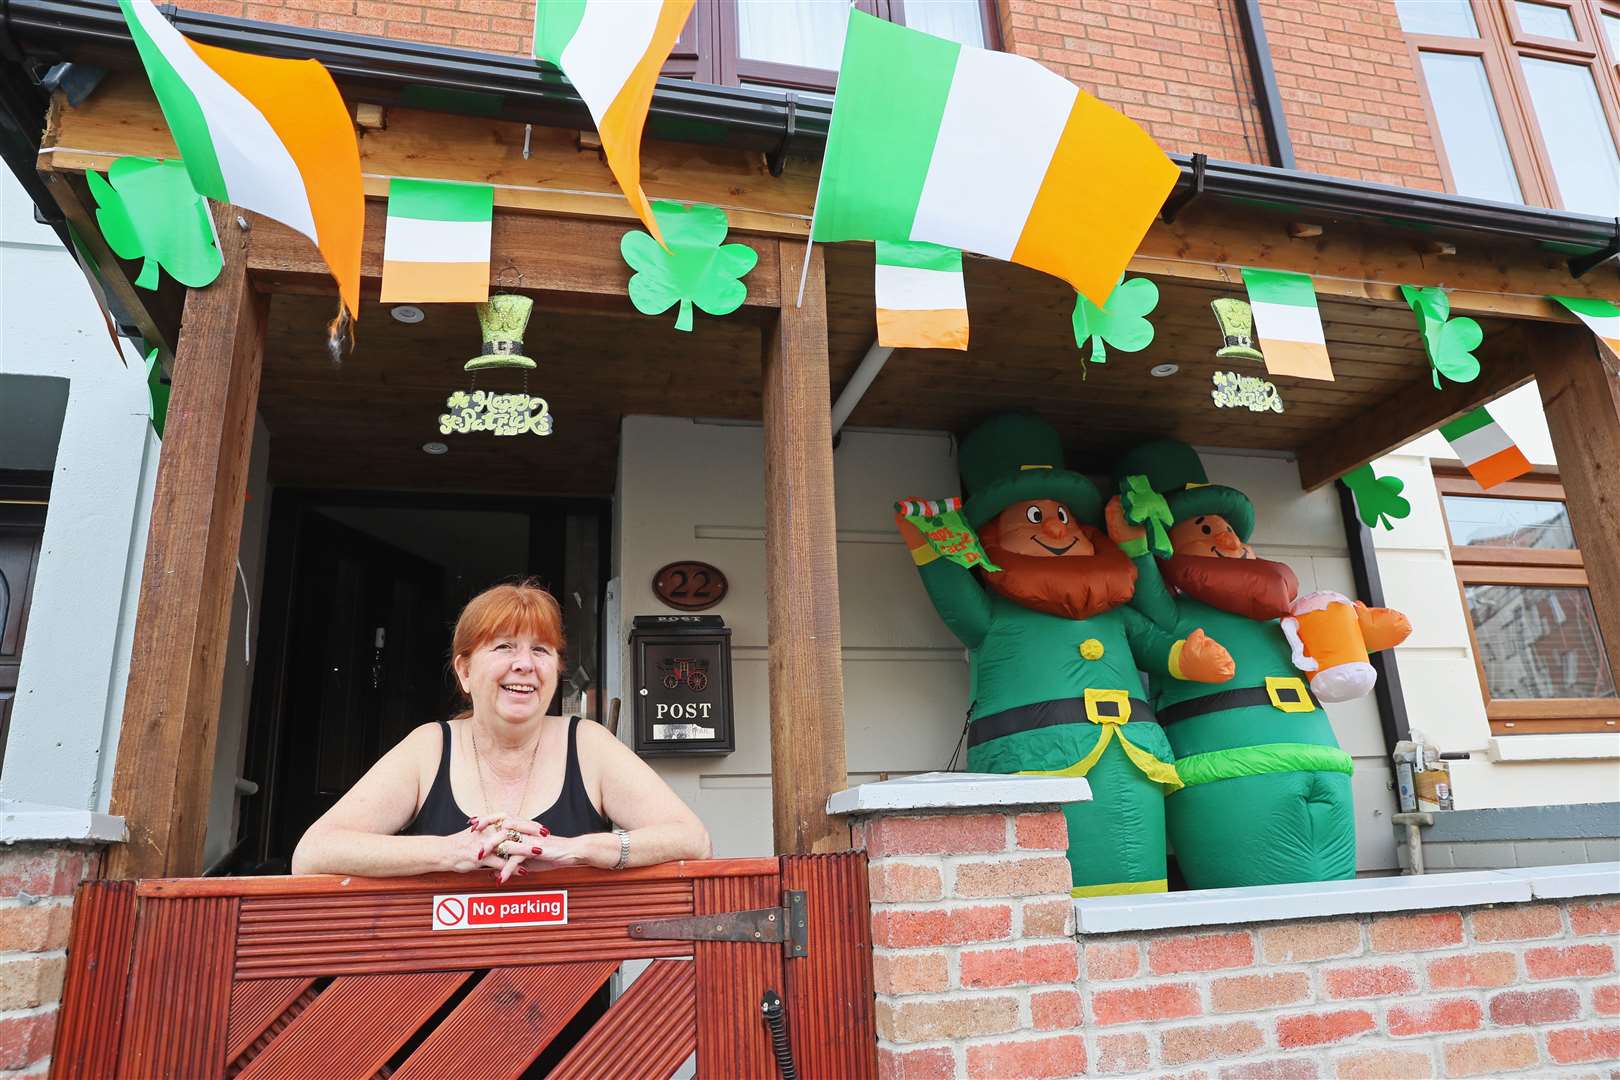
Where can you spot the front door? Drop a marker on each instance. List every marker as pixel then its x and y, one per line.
pixel 366 658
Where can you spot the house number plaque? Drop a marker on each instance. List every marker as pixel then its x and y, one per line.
pixel 690 586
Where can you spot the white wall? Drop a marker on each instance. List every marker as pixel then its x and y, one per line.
pixel 1441 683
pixel 696 490
pixel 75 662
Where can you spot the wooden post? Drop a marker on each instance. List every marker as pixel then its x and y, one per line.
pixel 801 568
pixel 1582 402
pixel 165 759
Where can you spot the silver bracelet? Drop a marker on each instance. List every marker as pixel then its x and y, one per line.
pixel 624 849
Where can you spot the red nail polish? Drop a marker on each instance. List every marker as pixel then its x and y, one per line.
pixel 521 871
pixel 536 850
pixel 544 831
pixel 480 853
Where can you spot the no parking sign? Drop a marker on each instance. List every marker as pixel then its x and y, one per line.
pixel 477 911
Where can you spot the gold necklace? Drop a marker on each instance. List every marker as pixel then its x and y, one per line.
pixel 478 766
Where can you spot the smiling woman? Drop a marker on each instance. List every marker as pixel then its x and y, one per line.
pixel 503 786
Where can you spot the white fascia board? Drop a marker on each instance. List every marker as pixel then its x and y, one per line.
pixel 958 791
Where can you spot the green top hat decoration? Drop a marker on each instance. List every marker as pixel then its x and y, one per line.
pixel 1237 327
pixel 503 319
pixel 1014 457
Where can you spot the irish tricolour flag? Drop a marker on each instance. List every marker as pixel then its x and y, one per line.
pixel 612 50
pixel 921 302
pixel 436 249
pixel 271 136
pixel 1490 456
pixel 1288 323
pixel 986 152
pixel 1600 316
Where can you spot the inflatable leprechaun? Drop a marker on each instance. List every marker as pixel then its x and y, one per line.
pixel 1055 652
pixel 1266 795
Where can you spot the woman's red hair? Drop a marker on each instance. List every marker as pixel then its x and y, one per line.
pixel 523 609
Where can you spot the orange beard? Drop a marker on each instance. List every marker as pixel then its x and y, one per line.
pixel 1252 588
pixel 1068 586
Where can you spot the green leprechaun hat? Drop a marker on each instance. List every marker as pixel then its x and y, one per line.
pixel 1174 470
pixel 1014 457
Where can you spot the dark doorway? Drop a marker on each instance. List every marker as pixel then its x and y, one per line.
pixel 361 594
pixel 23 499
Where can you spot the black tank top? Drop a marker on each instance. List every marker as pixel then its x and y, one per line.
pixel 573 814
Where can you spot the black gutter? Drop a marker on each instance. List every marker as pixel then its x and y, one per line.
pixel 1263 77
pixel 1387 693
pixel 774 122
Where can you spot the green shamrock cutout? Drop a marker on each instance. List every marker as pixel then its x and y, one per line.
pixel 697 269
pixel 159 388
pixel 1144 506
pixel 1121 321
pixel 150 211
pixel 1378 498
pixel 1449 342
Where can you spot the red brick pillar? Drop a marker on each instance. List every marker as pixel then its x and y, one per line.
pixel 36 908
pixel 973 957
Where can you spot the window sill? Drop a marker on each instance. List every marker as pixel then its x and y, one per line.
pixel 1363 896
pixel 1594 746
pixel 33 823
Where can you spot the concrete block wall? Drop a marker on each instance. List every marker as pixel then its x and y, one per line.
pixel 36 910
pixel 977 976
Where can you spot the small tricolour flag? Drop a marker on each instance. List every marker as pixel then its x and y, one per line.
pixel 985 152
pixel 1600 316
pixel 268 135
pixel 612 50
pixel 921 301
pixel 436 249
pixel 1489 454
pixel 1288 323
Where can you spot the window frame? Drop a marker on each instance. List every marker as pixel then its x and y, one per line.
pixel 1500 44
pixel 708 49
pixel 1550 567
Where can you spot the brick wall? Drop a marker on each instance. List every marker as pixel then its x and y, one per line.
pixel 36 897
pixel 973 974
pixel 1350 91
pixel 972 957
pixel 504 26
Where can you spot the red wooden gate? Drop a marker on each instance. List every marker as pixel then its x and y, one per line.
pixel 346 977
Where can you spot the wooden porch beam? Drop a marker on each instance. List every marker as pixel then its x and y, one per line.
pixel 1504 365
pixel 1581 398
pixel 533 252
pixel 801 568
pixel 165 757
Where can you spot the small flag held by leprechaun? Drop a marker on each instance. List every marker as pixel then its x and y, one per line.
pixel 1288 323
pixel 946 530
pixel 1600 317
pixel 921 301
pixel 1489 453
pixel 436 248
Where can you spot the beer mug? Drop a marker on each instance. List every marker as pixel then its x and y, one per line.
pixel 1324 630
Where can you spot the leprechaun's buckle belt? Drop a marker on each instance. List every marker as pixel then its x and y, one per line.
pixel 1061 711
pixel 1285 694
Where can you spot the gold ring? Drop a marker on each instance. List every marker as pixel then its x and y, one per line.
pixel 513 835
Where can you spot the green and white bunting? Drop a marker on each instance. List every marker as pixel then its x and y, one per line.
pixel 921 300
pixel 1288 323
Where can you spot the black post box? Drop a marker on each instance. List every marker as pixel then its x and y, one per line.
pixel 682 685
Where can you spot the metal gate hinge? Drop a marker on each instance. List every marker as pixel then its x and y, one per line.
pixel 786 924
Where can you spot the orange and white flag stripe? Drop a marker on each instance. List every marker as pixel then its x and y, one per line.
pixel 612 51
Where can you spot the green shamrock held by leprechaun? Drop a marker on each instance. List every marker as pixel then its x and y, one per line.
pixel 150 211
pixel 1121 321
pixel 697 269
pixel 1378 498
pixel 1449 342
